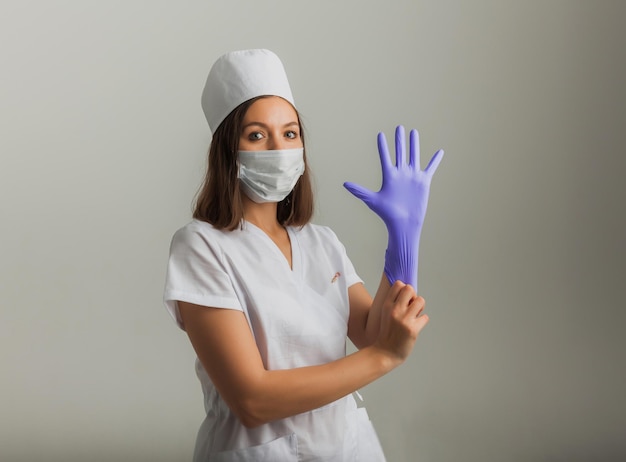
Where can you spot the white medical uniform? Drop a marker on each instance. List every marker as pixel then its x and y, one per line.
pixel 298 317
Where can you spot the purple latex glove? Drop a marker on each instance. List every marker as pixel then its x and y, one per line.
pixel 401 203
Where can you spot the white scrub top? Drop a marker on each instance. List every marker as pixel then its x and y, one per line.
pixel 298 316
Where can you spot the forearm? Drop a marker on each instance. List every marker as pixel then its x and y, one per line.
pixel 372 325
pixel 278 394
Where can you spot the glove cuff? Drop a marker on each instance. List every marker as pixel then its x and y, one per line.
pixel 401 257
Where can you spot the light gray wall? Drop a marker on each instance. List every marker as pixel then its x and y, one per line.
pixel 522 259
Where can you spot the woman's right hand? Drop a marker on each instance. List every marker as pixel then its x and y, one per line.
pixel 401 322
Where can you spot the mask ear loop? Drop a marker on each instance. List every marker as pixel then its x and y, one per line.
pixel 237 186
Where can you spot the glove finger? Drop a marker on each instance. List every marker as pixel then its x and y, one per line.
pixel 400 147
pixel 385 162
pixel 434 162
pixel 414 149
pixel 359 191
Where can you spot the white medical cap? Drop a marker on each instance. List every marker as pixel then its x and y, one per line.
pixel 239 76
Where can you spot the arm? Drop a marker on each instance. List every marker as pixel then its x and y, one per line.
pixel 365 313
pixel 257 395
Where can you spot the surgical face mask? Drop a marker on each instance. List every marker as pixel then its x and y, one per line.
pixel 269 176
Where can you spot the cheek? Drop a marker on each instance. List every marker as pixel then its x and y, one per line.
pixel 245 144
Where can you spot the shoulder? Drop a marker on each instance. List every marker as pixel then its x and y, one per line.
pixel 197 235
pixel 197 229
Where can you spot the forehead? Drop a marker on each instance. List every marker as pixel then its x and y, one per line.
pixel 271 110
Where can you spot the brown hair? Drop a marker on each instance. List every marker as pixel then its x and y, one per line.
pixel 219 200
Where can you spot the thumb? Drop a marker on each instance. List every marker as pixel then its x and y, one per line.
pixel 359 191
pixel 434 162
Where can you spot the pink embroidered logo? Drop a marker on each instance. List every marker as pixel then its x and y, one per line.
pixel 335 277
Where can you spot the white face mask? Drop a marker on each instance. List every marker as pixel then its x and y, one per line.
pixel 269 176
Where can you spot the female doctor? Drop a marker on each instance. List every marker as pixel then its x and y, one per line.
pixel 267 298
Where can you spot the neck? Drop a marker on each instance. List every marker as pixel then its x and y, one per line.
pixel 261 215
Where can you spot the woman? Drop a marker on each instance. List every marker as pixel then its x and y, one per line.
pixel 267 299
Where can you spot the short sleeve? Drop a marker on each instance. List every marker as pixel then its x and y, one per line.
pixel 196 274
pixel 351 276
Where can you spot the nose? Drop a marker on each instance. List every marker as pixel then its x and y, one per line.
pixel 276 141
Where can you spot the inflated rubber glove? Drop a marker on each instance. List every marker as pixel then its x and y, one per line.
pixel 401 203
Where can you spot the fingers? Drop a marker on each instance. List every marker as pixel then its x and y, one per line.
pixel 402 320
pixel 404 296
pixel 416 307
pixel 385 162
pixel 434 162
pixel 395 289
pixel 400 147
pixel 400 293
pixel 414 149
pixel 415 315
pixel 421 322
pixel 359 191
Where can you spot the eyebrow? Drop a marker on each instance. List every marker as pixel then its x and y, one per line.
pixel 261 124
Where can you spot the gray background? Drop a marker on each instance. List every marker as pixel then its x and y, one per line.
pixel 522 264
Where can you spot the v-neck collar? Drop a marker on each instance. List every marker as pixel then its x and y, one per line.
pixel 293 242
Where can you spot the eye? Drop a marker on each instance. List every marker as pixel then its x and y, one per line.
pixel 254 136
pixel 291 134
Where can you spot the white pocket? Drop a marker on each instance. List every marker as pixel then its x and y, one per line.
pixel 281 449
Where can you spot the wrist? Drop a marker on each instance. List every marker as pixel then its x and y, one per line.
pixel 401 259
pixel 384 360
pixel 406 237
